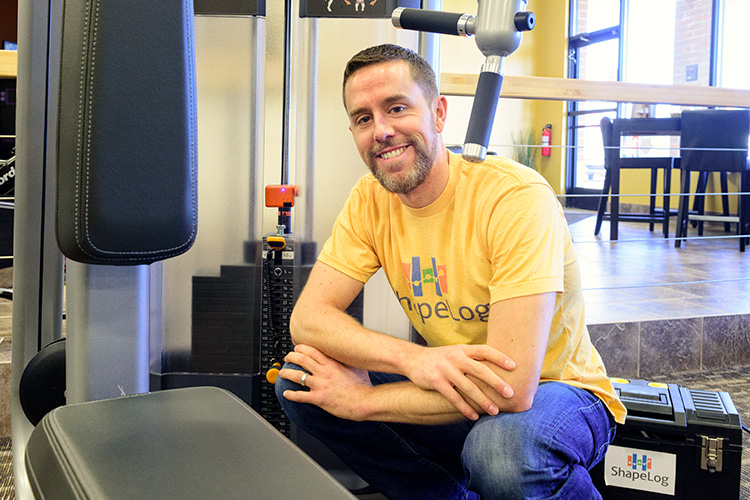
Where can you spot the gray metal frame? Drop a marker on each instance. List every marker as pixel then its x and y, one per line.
pixel 38 264
pixel 108 306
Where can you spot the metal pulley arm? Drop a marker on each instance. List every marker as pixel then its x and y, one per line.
pixel 497 28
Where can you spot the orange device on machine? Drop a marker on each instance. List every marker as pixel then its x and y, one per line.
pixel 282 197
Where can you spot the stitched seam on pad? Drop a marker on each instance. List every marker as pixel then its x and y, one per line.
pixel 79 137
pixel 89 99
pixel 175 250
pixel 193 121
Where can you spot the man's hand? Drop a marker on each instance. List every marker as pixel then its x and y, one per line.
pixel 449 370
pixel 334 387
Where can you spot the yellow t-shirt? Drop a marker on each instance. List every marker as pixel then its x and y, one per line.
pixel 496 232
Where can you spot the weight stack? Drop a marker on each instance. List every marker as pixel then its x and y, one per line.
pixel 225 321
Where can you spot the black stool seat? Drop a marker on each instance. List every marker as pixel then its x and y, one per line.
pixel 182 444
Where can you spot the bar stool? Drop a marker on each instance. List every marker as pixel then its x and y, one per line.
pixel 714 141
pixel 612 131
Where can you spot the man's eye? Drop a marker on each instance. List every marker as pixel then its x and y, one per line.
pixel 363 120
pixel 397 109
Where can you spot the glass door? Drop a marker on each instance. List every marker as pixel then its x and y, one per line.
pixel 594 53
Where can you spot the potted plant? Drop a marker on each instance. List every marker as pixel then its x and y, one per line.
pixel 525 147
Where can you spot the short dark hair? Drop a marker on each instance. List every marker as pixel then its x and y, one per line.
pixel 420 69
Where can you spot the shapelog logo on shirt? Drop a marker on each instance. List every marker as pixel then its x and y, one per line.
pixel 421 281
pixel 433 275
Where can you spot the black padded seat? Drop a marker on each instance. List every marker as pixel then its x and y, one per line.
pixel 182 444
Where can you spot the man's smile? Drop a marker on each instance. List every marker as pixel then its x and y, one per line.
pixel 389 153
pixel 392 153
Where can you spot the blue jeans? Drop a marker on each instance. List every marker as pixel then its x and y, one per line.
pixel 545 452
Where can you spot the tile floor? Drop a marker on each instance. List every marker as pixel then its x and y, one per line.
pixel 642 276
pixel 653 309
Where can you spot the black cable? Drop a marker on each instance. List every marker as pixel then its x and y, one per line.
pixel 744 428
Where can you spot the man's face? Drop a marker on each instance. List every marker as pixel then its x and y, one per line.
pixel 394 127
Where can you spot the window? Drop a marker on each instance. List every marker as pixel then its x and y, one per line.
pixel 733 70
pixel 650 58
pixel 681 42
pixel 659 57
pixel 598 61
pixel 595 15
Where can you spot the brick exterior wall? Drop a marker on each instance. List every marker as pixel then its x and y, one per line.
pixel 692 40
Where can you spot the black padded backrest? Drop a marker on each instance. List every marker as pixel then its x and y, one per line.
pixel 127 147
pixel 608 141
pixel 704 131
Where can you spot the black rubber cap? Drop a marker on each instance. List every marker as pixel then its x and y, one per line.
pixel 524 21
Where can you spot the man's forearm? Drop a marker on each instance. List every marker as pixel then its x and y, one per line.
pixel 451 371
pixel 343 338
pixel 348 393
pixel 404 402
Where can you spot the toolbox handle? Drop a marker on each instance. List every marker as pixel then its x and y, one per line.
pixel 657 425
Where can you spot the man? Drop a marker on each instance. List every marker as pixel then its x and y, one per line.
pixel 510 399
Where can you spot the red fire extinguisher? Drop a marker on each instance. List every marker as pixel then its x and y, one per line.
pixel 546 137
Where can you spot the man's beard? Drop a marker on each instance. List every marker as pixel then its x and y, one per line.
pixel 407 181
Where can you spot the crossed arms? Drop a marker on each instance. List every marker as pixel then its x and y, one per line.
pixel 445 384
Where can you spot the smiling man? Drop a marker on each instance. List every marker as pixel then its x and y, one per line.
pixel 509 399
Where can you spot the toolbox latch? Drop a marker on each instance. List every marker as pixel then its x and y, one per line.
pixel 711 453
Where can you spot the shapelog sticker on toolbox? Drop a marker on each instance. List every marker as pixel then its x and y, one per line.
pixel 637 469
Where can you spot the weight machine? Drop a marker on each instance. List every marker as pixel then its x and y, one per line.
pixel 114 297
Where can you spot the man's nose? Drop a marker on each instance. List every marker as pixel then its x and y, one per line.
pixel 383 129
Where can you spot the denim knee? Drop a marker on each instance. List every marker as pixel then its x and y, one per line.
pixel 497 457
pixel 293 410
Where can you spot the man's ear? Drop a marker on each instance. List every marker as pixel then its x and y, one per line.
pixel 440 109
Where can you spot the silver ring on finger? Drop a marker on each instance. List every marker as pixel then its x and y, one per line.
pixel 303 380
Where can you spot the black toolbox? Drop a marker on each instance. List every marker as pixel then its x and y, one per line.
pixel 675 443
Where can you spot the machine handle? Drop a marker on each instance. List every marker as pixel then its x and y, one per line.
pixel 432 21
pixel 482 116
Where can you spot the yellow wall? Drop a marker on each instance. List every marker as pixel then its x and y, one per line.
pixel 547 47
